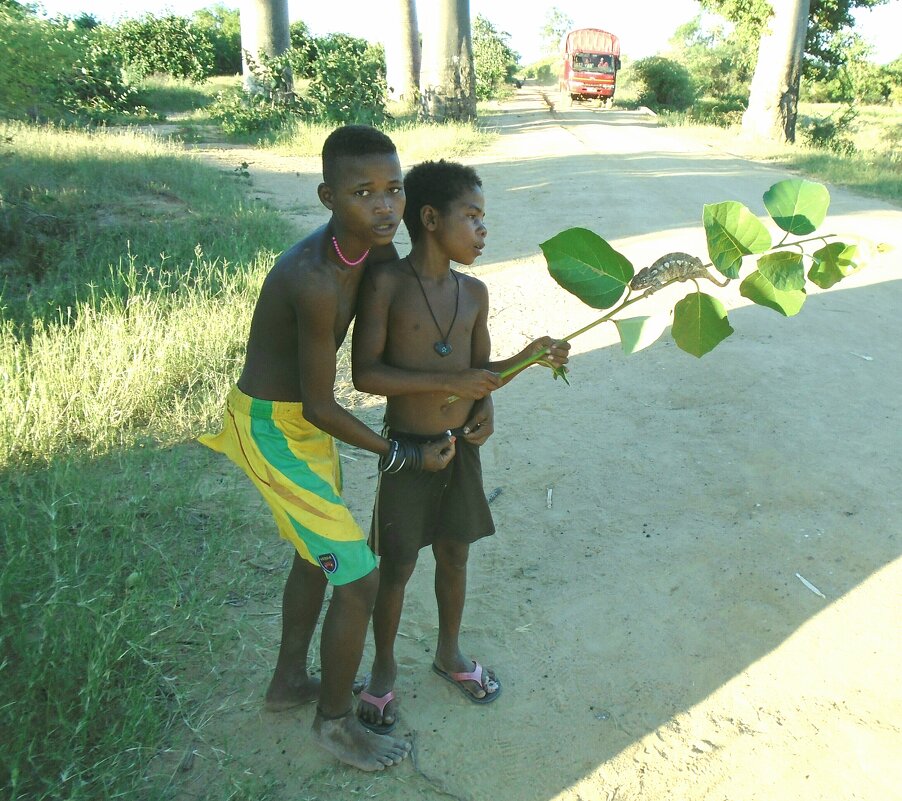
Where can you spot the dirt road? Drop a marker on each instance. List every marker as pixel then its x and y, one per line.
pixel 650 626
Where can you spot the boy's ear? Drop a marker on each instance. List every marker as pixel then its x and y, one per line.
pixel 429 217
pixel 326 197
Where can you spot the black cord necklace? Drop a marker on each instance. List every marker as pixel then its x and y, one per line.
pixel 442 347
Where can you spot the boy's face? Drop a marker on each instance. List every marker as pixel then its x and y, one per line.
pixel 366 197
pixel 460 229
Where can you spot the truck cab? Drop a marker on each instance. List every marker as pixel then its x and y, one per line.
pixel 590 60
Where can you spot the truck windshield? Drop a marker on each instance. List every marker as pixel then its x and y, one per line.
pixel 593 62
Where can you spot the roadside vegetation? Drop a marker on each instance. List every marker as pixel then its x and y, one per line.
pixel 129 273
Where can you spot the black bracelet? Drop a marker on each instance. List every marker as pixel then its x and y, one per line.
pixel 401 455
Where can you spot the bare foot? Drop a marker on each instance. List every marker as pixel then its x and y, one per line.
pixel 347 740
pixel 282 695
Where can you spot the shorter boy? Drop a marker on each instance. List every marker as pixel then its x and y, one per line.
pixel 417 321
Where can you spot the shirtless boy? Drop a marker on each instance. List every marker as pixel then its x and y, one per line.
pixel 418 320
pixel 279 425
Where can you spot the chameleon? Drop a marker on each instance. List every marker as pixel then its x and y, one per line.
pixel 670 267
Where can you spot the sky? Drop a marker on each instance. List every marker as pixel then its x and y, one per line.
pixel 644 26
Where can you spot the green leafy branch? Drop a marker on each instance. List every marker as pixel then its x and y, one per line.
pixel 587 266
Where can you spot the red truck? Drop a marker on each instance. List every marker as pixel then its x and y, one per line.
pixel 589 64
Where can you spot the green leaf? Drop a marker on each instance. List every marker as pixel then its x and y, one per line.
pixel 637 333
pixel 700 323
pixel 761 291
pixel 797 206
pixel 733 232
pixel 784 269
pixel 584 264
pixel 833 263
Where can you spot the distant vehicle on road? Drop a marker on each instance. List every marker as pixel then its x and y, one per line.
pixel 590 60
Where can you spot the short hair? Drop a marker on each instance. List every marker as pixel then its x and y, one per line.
pixel 437 184
pixel 353 140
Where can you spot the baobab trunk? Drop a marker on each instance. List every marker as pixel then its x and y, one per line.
pixel 402 56
pixel 447 79
pixel 774 96
pixel 264 31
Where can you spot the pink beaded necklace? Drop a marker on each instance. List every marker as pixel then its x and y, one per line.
pixel 346 261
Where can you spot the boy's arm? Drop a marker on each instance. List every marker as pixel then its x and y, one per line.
pixel 316 309
pixel 481 423
pixel 373 375
pixel 557 356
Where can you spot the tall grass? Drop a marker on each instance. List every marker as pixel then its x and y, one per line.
pixel 74 205
pixel 150 357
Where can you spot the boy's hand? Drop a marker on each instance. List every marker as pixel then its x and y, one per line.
pixel 437 455
pixel 481 424
pixel 558 352
pixel 474 384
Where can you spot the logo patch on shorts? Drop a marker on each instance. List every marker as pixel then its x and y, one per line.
pixel 328 562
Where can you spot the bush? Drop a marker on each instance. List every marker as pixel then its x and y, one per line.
pixel 348 84
pixel 167 45
pixel 303 52
pixel 222 27
pixel 59 72
pixel 662 83
pixel 493 59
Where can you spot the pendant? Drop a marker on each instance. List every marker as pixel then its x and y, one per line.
pixel 442 348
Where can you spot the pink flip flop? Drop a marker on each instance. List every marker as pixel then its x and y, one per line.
pixel 380 702
pixel 477 675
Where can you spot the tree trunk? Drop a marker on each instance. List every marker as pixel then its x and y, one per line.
pixel 264 30
pixel 774 96
pixel 402 56
pixel 448 81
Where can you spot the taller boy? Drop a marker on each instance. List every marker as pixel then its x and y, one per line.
pixel 279 425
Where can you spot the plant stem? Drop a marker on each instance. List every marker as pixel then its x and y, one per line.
pixel 539 356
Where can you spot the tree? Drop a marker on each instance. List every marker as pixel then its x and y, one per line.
pixel 448 81
pixel 557 23
pixel 493 59
pixel 774 94
pixel 403 55
pixel 264 34
pixel 786 29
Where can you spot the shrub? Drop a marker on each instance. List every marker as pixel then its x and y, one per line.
pixel 662 83
pixel 52 70
pixel 348 84
pixel 222 27
pixel 493 59
pixel 167 45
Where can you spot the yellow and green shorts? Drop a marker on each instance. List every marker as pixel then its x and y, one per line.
pixel 295 467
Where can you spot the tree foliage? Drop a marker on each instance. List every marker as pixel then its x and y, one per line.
pixel 493 58
pixel 222 27
pixel 719 60
pixel 557 23
pixel 827 18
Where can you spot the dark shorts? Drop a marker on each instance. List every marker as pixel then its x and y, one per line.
pixel 416 508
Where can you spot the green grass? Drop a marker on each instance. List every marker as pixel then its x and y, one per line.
pixel 170 98
pixel 81 208
pixel 873 168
